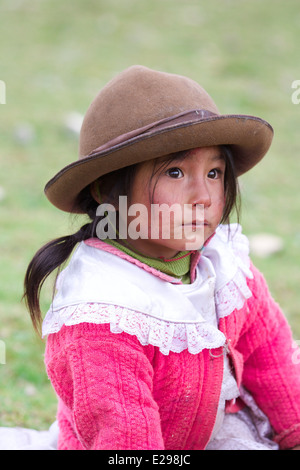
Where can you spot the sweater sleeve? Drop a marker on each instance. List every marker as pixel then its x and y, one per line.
pixel 271 369
pixel 105 382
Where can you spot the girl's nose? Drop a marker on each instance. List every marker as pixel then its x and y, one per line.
pixel 201 194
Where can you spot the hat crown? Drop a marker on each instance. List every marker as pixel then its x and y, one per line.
pixel 136 97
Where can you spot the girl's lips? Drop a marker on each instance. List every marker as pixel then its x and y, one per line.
pixel 196 223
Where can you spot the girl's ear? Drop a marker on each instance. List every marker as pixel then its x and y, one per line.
pixel 100 197
pixel 95 191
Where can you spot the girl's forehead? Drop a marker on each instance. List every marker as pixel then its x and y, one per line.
pixel 213 152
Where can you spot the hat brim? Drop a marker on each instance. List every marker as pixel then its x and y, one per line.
pixel 248 136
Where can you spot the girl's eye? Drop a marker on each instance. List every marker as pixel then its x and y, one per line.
pixel 214 174
pixel 174 173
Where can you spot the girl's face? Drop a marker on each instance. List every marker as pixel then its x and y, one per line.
pixel 191 190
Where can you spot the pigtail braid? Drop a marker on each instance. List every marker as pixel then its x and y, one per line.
pixel 55 253
pixel 48 258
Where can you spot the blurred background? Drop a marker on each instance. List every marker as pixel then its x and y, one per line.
pixel 54 57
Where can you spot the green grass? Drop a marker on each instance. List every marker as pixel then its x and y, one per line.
pixel 55 56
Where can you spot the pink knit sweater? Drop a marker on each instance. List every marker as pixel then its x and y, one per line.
pixel 115 393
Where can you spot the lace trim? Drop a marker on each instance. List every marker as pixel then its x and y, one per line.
pixel 234 293
pixel 232 296
pixel 168 336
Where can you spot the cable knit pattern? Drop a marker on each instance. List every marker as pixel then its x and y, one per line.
pixel 261 346
pixel 115 393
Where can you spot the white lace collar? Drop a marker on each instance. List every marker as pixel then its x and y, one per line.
pixel 153 310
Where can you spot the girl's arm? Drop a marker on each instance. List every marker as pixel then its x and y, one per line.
pixel 271 370
pixel 105 382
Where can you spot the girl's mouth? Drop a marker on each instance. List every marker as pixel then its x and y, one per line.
pixel 196 223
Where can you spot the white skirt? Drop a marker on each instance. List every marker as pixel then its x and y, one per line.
pixel 28 439
pixel 248 429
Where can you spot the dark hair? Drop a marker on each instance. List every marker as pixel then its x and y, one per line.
pixel 232 190
pixel 56 252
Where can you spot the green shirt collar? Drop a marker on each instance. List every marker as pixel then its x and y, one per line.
pixel 178 267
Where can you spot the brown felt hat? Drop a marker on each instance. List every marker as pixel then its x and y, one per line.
pixel 143 114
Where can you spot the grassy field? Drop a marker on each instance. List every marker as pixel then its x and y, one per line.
pixel 55 56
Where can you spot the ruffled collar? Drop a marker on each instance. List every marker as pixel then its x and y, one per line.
pixel 152 312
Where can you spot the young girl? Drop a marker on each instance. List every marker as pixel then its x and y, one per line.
pixel 159 341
